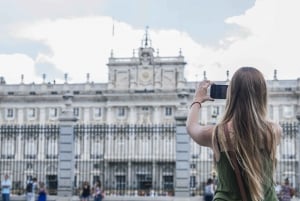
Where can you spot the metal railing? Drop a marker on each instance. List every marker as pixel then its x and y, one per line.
pixel 135 160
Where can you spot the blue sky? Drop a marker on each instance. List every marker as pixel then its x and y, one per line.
pixel 75 36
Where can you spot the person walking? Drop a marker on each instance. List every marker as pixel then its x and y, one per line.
pixel 278 190
pixel 42 195
pixel 98 193
pixel 5 186
pixel 245 126
pixel 86 191
pixel 31 189
pixel 286 191
pixel 209 190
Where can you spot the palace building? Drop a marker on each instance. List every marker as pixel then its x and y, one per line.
pixel 125 133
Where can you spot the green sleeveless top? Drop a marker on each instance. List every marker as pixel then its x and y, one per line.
pixel 227 187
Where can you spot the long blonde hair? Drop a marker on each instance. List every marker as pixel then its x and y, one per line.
pixel 246 109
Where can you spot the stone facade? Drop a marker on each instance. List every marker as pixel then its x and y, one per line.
pixel 142 90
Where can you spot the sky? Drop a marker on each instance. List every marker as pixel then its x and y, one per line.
pixel 76 37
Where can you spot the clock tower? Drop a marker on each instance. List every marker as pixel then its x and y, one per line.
pixel 146 65
pixel 146 72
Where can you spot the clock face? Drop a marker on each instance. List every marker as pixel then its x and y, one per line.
pixel 145 76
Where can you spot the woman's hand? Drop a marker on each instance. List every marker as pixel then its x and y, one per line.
pixel 201 92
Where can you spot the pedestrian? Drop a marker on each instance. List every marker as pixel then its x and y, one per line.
pixel 42 196
pixel 287 191
pixel 98 192
pixel 5 186
pixel 245 132
pixel 31 189
pixel 86 192
pixel 278 190
pixel 209 190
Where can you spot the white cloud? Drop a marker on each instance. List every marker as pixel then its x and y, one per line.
pixel 12 66
pixel 273 41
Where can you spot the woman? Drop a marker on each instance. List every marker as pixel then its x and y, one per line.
pixel 86 191
pixel 97 191
pixel 42 196
pixel 253 135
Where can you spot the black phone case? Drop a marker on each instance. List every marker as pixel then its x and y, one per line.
pixel 218 91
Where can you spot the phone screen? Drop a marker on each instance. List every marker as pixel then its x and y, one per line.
pixel 218 91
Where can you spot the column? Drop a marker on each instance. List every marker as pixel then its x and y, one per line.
pixel 156 115
pixel 42 116
pixel 86 114
pixel 157 78
pixel 182 177
pixel 66 150
pixel 109 115
pixel 132 115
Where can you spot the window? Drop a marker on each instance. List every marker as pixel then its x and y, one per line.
pixel 121 111
pixel 168 182
pixel 97 166
pixel 97 112
pixel 77 147
pixel 53 112
pixel 31 113
pixel 145 109
pixel 30 149
pixel 168 111
pixel 9 113
pixel 287 111
pixel 192 181
pixel 215 111
pixel 120 182
pixel 8 148
pixel 193 166
pixel 76 111
pixel 96 149
pixel 52 149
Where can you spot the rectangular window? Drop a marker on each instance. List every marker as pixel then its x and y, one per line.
pixel 215 111
pixel 168 182
pixel 120 182
pixel 121 111
pixel 30 149
pixel 31 113
pixel 76 111
pixel 52 149
pixel 77 147
pixel 168 111
pixel 288 111
pixel 192 181
pixel 9 113
pixel 97 112
pixel 145 109
pixel 96 149
pixel 8 148
pixel 53 112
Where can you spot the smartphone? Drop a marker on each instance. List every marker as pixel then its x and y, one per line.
pixel 218 91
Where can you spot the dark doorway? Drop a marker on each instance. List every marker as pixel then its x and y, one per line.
pixel 51 182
